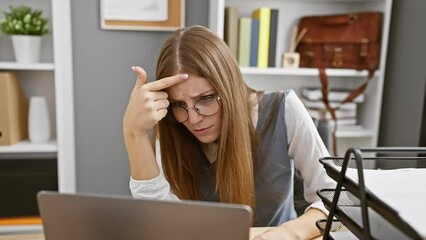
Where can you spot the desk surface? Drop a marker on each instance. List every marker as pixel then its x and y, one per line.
pixel 253 232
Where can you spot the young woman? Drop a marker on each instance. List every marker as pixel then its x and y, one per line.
pixel 219 140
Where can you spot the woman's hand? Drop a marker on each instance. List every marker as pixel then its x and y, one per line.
pixel 277 233
pixel 147 105
pixel 302 227
pixel 148 102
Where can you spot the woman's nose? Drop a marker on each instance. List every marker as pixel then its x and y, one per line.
pixel 194 117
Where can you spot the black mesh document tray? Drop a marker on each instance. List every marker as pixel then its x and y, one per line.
pixel 357 210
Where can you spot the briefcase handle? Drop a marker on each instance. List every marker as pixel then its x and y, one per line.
pixel 339 19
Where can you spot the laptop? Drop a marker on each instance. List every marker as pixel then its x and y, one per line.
pixel 89 216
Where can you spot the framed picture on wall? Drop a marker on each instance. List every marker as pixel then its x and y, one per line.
pixel 146 15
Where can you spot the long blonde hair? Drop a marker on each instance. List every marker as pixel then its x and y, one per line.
pixel 196 50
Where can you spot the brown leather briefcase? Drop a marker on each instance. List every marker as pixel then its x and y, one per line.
pixel 341 41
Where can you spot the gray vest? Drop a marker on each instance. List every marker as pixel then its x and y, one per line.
pixel 274 169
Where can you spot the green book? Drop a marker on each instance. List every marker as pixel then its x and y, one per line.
pixel 244 39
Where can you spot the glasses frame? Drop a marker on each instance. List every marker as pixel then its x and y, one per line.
pixel 172 115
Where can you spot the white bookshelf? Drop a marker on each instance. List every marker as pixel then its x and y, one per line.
pixel 290 12
pixel 28 147
pixel 52 78
pixel 27 66
pixel 303 72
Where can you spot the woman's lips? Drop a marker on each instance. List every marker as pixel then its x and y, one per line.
pixel 202 131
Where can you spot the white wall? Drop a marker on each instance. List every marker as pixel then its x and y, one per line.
pixel 404 87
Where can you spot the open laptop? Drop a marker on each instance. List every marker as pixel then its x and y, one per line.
pixel 84 217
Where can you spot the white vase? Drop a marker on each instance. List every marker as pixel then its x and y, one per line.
pixel 38 120
pixel 27 48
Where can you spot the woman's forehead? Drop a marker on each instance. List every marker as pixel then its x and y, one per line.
pixel 194 86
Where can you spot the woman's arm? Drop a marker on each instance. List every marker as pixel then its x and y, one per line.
pixel 147 105
pixel 302 227
pixel 141 156
pixel 306 148
pixel 156 188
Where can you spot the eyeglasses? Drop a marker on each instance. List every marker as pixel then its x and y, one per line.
pixel 205 106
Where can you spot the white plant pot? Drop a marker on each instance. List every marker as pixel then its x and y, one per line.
pixel 38 120
pixel 27 48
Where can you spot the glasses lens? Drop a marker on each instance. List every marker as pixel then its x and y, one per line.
pixel 180 114
pixel 207 107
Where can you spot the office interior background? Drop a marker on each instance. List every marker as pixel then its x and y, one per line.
pixel 103 80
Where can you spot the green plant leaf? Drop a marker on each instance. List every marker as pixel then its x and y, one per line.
pixel 23 20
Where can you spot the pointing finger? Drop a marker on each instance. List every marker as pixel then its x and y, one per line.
pixel 166 82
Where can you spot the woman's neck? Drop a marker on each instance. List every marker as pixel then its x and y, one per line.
pixel 210 150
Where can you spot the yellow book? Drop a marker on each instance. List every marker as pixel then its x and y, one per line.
pixel 264 16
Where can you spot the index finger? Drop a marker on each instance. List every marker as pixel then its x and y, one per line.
pixel 166 82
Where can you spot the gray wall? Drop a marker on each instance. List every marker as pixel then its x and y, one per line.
pixel 103 80
pixel 404 88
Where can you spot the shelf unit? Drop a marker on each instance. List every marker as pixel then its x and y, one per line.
pixel 27 66
pixel 290 11
pixel 28 147
pixel 52 78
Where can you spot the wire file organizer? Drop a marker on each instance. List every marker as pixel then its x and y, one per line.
pixel 357 211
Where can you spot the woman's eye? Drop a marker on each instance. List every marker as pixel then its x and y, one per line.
pixel 207 97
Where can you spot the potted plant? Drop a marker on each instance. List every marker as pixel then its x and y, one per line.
pixel 26 26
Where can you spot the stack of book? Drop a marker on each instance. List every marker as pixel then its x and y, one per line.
pixel 20 224
pixel 346 114
pixel 252 39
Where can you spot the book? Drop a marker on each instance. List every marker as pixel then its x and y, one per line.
pixel 263 14
pixel 335 95
pixel 344 122
pixel 244 41
pixel 231 29
pixel 21 225
pixel 351 127
pixel 272 50
pixel 254 43
pixel 13 110
pixel 320 104
pixel 21 220
pixel 323 114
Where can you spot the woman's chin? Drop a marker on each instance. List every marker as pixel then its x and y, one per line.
pixel 206 139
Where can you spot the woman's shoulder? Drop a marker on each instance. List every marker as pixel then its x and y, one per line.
pixel 288 94
pixel 288 99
